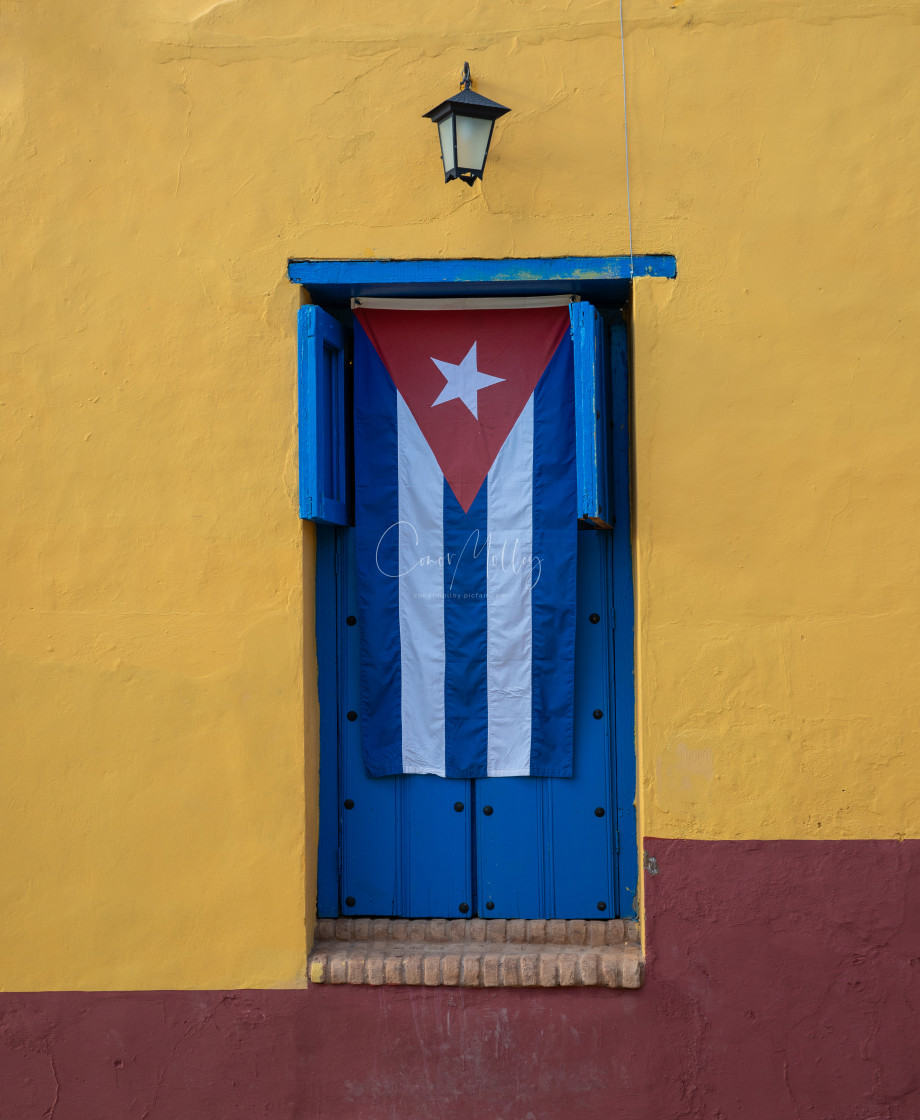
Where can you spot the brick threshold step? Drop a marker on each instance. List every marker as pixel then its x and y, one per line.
pixel 477 953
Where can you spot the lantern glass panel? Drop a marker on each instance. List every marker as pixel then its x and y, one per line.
pixel 472 141
pixel 446 135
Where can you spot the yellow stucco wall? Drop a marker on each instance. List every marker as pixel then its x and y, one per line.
pixel 159 163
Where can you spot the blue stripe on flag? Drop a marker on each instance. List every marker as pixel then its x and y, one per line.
pixel 555 542
pixel 465 635
pixel 377 552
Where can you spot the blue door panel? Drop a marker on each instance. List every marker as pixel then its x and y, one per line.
pixel 330 616
pixel 372 865
pixel 512 856
pixel 405 847
pixel 543 851
pixel 623 669
pixel 436 839
pixel 582 837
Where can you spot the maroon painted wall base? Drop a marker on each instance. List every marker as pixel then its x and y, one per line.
pixel 783 982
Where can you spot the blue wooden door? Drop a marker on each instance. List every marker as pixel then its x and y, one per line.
pixel 421 846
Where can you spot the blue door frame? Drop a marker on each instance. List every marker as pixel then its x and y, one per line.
pixel 606 281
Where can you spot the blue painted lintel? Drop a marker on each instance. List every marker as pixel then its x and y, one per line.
pixel 343 279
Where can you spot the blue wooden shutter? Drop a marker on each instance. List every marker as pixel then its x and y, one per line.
pixel 592 415
pixel 325 457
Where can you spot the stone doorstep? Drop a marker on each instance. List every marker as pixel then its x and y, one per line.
pixel 477 953
pixel 533 931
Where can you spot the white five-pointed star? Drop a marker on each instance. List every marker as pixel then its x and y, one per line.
pixel 464 381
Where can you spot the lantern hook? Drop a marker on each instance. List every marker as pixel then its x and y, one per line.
pixel 466 81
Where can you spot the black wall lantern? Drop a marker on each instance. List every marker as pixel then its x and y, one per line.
pixel 465 122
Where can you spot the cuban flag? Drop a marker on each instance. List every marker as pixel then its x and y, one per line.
pixel 465 522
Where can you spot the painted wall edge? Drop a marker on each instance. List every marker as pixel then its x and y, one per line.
pixel 782 975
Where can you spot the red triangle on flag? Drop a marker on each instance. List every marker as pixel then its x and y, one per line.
pixel 466 376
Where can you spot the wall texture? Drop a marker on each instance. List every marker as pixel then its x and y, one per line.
pixel 766 997
pixel 160 162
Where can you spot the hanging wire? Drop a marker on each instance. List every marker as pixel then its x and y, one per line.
pixel 626 142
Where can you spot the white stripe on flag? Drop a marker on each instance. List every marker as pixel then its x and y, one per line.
pixel 510 623
pixel 421 598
